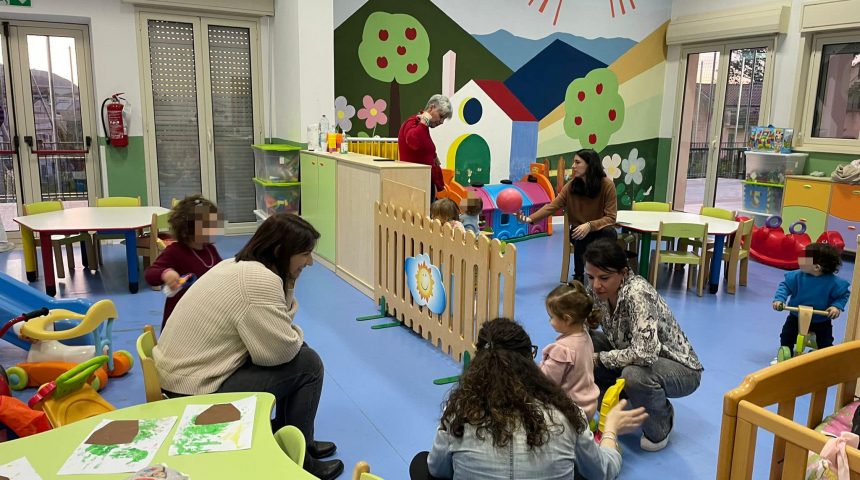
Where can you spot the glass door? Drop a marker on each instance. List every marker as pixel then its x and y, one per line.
pixel 725 92
pixel 46 118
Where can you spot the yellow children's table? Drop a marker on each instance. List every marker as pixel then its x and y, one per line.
pixel 48 451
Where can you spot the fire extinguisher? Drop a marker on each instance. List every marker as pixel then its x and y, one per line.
pixel 116 126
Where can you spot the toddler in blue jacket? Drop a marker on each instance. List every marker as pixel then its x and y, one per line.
pixel 814 284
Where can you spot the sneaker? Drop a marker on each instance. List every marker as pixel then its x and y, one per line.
pixel 650 446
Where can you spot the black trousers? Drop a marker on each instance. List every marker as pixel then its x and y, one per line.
pixel 823 332
pixel 580 245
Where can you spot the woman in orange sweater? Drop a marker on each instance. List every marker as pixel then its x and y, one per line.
pixel 590 203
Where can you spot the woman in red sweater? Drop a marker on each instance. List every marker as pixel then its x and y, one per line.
pixel 193 223
pixel 590 203
pixel 415 143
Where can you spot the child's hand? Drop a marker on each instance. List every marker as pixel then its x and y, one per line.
pixel 778 306
pixel 833 312
pixel 170 278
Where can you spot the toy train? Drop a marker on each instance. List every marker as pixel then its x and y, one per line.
pixel 502 201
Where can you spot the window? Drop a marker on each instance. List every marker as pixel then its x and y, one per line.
pixel 832 109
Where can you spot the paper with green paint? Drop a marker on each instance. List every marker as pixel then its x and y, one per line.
pixel 19 470
pixel 119 458
pixel 192 438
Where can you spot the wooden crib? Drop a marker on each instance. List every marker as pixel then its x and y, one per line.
pixel 811 374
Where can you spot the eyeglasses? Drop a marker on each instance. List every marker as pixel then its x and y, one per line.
pixel 534 351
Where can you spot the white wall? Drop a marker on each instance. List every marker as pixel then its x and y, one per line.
pixel 113 44
pixel 303 51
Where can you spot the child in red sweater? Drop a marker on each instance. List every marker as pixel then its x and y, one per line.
pixel 193 223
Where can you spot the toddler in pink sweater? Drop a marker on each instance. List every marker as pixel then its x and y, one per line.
pixel 569 361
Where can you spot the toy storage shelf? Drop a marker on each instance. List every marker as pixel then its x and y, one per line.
pixel 276 197
pixel 276 181
pixel 764 183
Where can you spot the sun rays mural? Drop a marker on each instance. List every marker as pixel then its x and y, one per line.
pixel 522 89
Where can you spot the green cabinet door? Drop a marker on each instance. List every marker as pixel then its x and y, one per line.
pixel 326 213
pixel 815 220
pixel 310 187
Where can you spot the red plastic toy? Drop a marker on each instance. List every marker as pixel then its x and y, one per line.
pixel 771 246
pixel 509 200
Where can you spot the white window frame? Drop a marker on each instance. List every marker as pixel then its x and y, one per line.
pixel 200 21
pixel 809 76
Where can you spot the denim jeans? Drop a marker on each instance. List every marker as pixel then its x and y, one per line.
pixel 580 245
pixel 649 387
pixel 296 385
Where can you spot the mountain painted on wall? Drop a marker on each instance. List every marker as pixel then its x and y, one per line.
pixel 474 61
pixel 517 51
pixel 542 82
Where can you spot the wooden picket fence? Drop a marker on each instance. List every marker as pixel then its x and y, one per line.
pixel 378 147
pixel 479 276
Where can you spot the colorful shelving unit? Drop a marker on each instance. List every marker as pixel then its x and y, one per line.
pixel 764 184
pixel 277 181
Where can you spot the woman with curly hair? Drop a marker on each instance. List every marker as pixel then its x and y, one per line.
pixel 506 419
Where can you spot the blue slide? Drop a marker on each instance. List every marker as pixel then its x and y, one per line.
pixel 17 298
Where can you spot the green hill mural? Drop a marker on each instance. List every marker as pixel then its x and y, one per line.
pixel 404 91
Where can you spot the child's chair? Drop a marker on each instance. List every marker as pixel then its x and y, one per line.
pixel 292 442
pixel 714 212
pixel 681 230
pixel 736 255
pixel 362 472
pixel 68 240
pixel 112 202
pixel 151 383
pixel 655 207
pixel 152 242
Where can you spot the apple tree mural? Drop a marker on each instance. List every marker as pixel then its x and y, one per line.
pixel 394 48
pixel 594 109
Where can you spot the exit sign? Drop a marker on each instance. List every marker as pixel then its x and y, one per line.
pixel 16 3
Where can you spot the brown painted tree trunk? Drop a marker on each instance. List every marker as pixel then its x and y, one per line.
pixel 394 110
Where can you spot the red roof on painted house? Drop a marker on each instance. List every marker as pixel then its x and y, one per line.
pixel 506 100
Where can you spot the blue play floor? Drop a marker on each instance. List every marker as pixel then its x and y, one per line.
pixel 379 403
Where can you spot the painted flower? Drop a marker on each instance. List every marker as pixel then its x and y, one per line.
pixel 373 112
pixel 343 112
pixel 633 166
pixel 610 166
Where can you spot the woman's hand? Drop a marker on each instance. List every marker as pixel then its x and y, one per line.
pixel 170 278
pixel 581 231
pixel 523 218
pixel 621 421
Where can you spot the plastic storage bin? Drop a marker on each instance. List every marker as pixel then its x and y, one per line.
pixel 767 167
pixel 765 199
pixel 276 162
pixel 275 197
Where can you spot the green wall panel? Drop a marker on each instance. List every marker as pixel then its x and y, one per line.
pixel 827 162
pixel 126 169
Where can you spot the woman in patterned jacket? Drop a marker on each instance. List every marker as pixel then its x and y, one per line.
pixel 641 342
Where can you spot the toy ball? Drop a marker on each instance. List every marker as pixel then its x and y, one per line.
pixel 509 200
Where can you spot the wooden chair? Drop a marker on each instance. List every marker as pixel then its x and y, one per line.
pixel 362 472
pixel 681 230
pixel 109 202
pixel 655 207
pixel 736 255
pixel 152 242
pixel 151 383
pixel 567 251
pixel 68 240
pixel 714 212
pixel 292 442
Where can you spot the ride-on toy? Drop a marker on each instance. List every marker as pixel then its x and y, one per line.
pixel 804 339
pixel 69 398
pixel 48 358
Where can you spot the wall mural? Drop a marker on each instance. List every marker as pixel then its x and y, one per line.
pixel 532 81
